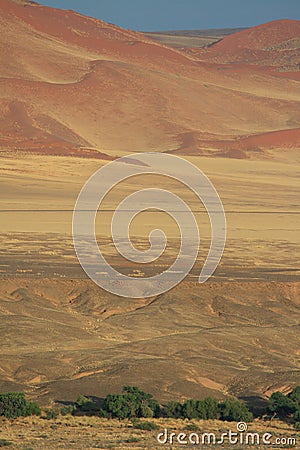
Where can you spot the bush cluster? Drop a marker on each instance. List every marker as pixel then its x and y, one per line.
pixel 286 406
pixel 131 403
pixel 135 404
pixel 14 404
pixel 209 408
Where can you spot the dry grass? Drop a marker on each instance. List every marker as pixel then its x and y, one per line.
pixel 92 432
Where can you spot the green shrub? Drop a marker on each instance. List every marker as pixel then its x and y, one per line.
pixel 190 409
pixel 146 411
pixel 70 409
pixel 235 411
pixel 14 404
pixel 131 403
pixel 191 427
pixel 297 426
pixel 43 436
pixel 296 415
pixel 103 413
pixel 50 414
pixel 281 404
pixel 132 440
pixel 201 409
pixel 211 408
pixel 295 395
pixel 119 406
pixel 85 405
pixel 172 409
pixel 83 401
pixel 5 443
pixel 147 426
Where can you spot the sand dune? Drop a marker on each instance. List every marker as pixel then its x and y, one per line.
pixel 276 43
pixel 69 82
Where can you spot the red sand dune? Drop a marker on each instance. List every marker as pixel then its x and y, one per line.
pixel 71 84
pixel 274 139
pixel 253 146
pixel 275 43
pixel 261 37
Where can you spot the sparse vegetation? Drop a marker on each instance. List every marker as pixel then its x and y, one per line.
pixel 70 409
pixel 132 440
pixel 192 427
pixel 33 432
pixel 83 401
pixel 51 414
pixel 146 426
pixel 5 443
pixel 86 405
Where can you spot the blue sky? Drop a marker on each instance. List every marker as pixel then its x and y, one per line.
pixel 150 15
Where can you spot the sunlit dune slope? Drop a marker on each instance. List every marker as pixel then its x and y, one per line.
pixel 75 85
pixel 276 43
